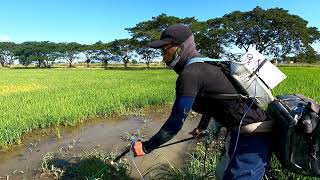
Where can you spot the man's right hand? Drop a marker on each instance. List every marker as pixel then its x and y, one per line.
pixel 138 149
pixel 198 133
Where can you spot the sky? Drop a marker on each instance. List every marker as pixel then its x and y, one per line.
pixel 89 21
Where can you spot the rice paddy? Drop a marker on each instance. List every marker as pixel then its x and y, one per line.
pixel 37 98
pixel 34 99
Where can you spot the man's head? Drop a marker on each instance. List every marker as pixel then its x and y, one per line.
pixel 175 34
pixel 170 40
pixel 177 45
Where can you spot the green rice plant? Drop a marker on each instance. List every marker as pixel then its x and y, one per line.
pixel 300 80
pixel 39 98
pixel 199 164
pixel 276 171
pixel 83 166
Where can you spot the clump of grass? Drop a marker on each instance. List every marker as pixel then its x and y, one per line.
pixel 276 171
pixel 95 165
pixel 200 162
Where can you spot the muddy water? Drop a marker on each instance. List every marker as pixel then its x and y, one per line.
pixel 103 134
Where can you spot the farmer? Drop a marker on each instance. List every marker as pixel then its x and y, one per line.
pixel 195 84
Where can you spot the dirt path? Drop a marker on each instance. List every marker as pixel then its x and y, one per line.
pixel 101 135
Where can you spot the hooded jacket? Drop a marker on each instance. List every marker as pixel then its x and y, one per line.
pixel 194 85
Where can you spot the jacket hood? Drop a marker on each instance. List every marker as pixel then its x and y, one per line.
pixel 188 51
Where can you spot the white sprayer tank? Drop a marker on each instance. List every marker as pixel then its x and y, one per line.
pixel 257 76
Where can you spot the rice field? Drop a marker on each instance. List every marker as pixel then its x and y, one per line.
pixel 300 80
pixel 38 98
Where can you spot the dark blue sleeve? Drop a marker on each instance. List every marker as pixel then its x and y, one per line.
pixel 170 128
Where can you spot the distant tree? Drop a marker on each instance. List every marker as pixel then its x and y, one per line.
pixel 148 54
pixel 209 40
pixel 103 53
pixel 134 61
pixel 2 60
pixel 7 53
pixel 122 48
pixel 39 52
pixel 273 31
pixel 90 53
pixel 70 51
pixel 307 56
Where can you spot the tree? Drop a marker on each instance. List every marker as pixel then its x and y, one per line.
pixel 121 48
pixel 212 38
pixel 307 56
pixel 209 38
pixel 7 53
pixel 39 52
pixel 102 53
pixel 90 54
pixel 70 51
pixel 273 31
pixel 148 54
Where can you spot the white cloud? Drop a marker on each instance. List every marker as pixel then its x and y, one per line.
pixel 4 38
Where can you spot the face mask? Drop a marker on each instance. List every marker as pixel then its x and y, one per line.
pixel 175 59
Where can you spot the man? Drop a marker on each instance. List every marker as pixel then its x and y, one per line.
pixel 195 85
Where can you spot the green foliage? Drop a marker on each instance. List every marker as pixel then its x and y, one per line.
pixel 84 166
pixel 273 31
pixel 276 171
pixel 308 56
pixel 69 51
pixel 147 31
pixel 40 52
pixel 7 53
pixel 122 49
pixel 200 164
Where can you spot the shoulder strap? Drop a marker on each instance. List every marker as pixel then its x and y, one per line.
pixel 203 59
pixel 229 96
pixel 218 96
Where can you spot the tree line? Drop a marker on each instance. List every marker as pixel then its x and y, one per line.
pixel 274 32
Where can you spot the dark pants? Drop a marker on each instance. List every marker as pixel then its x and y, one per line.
pixel 251 157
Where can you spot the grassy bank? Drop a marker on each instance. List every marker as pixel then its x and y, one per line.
pixel 38 98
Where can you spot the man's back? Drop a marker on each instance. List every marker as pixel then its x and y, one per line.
pixel 203 81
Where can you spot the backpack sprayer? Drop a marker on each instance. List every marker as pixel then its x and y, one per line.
pixel 296 128
pixel 256 76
